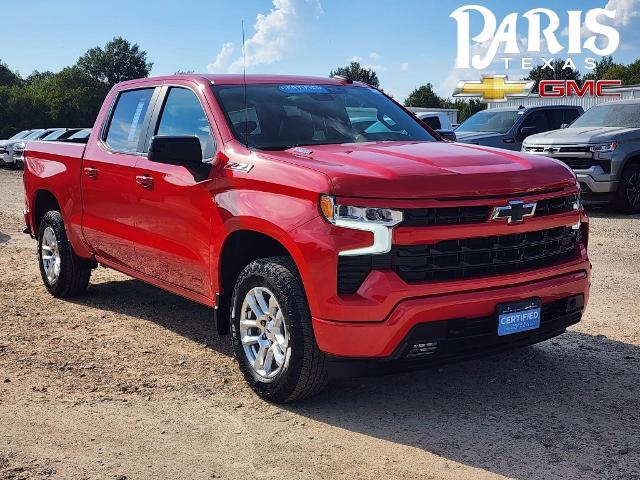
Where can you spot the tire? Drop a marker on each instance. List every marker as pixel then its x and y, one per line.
pixel 300 369
pixel 71 276
pixel 628 196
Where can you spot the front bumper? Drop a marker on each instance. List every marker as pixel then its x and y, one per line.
pixel 391 337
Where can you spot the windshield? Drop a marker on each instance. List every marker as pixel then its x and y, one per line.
pixel 81 134
pixel 610 115
pixel 34 134
pixel 54 135
pixel 498 121
pixel 20 135
pixel 277 117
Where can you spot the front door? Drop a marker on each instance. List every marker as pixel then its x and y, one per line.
pixel 173 218
pixel 109 193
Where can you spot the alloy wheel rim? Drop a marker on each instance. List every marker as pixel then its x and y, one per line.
pixel 263 333
pixel 633 190
pixel 50 254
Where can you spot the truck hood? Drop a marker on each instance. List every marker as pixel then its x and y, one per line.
pixel 471 137
pixel 581 135
pixel 409 170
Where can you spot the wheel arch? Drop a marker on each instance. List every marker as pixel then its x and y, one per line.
pixel 43 201
pixel 248 241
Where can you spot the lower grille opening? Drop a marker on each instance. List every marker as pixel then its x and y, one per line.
pixel 464 336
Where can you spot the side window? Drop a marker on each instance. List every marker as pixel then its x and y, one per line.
pixel 537 119
pixel 127 120
pixel 433 122
pixel 182 115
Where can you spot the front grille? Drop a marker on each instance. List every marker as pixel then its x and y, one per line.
pixel 580 163
pixel 481 257
pixel 554 206
pixel 463 258
pixel 422 217
pixel 429 217
pixel 583 149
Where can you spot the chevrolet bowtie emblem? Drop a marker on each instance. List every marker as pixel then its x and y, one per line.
pixel 494 88
pixel 515 212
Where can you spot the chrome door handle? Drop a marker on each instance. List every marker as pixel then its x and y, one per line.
pixel 145 180
pixel 91 172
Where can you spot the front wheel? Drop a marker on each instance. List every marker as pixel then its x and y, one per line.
pixel 272 334
pixel 63 272
pixel 628 196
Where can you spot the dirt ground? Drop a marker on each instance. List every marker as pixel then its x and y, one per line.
pixel 131 382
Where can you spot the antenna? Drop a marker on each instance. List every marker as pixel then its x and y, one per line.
pixel 244 81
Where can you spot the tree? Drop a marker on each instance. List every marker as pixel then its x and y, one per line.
pixel 604 64
pixel 354 71
pixel 539 72
pixel 117 62
pixel 424 96
pixel 7 77
pixel 465 107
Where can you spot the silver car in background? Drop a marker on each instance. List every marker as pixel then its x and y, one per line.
pixel 603 148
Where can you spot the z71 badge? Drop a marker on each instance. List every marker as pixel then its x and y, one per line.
pixel 239 166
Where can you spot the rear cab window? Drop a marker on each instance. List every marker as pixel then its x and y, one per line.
pixel 128 119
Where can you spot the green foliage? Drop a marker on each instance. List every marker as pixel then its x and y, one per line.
pixel 117 62
pixel 71 97
pixel 604 64
pixel 7 77
pixel 354 71
pixel 556 73
pixel 628 74
pixel 424 96
pixel 465 107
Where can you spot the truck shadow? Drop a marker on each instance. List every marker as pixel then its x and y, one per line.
pixel 567 408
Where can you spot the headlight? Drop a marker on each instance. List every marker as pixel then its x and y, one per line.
pixel 577 204
pixel 379 221
pixel 19 146
pixel 604 147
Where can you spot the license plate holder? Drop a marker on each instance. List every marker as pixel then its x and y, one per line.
pixel 519 316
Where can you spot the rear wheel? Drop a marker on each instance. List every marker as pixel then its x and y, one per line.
pixel 272 333
pixel 63 272
pixel 628 196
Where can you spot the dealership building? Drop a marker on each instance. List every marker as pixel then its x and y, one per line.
pixel 626 93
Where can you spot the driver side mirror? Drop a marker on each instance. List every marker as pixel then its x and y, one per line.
pixel 524 132
pixel 175 150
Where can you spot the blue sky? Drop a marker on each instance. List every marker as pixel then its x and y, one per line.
pixel 409 42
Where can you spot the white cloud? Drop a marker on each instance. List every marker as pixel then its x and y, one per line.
pixel 274 34
pixel 355 58
pixel 404 66
pixel 222 59
pixel 374 56
pixel 626 10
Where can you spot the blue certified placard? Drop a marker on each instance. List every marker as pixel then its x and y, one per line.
pixel 300 89
pixel 516 322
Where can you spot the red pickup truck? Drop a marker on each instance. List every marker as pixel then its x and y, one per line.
pixel 323 223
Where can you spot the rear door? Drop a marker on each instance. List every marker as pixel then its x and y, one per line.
pixel 173 218
pixel 109 189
